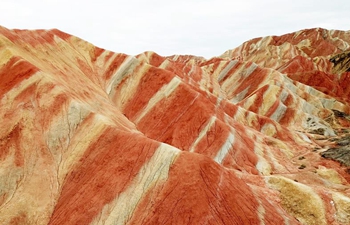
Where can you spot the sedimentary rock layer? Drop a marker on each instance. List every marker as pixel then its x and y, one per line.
pixel 255 136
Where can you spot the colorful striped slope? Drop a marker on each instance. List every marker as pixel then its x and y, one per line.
pixel 259 135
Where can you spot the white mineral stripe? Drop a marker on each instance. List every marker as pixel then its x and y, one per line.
pixel 238 97
pixel 156 170
pixel 164 64
pixel 260 210
pixel 246 73
pixel 165 91
pixel 224 72
pixel 304 137
pixel 225 148
pixel 279 112
pixel 283 96
pixel 203 132
pixel 232 82
pixel 119 74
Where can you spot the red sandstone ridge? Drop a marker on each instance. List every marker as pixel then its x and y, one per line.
pixel 259 135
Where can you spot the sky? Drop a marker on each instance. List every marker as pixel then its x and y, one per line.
pixel 197 27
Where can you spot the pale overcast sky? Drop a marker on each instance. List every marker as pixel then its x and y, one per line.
pixel 198 27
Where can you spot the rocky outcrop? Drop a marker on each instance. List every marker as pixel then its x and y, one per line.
pixel 89 136
pixel 341 62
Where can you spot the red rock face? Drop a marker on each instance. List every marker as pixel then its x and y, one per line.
pixel 259 135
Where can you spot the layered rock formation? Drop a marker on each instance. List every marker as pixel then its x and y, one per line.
pixel 259 135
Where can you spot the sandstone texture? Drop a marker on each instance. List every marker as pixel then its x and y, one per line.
pixel 258 135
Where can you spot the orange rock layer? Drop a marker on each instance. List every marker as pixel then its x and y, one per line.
pixel 90 136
